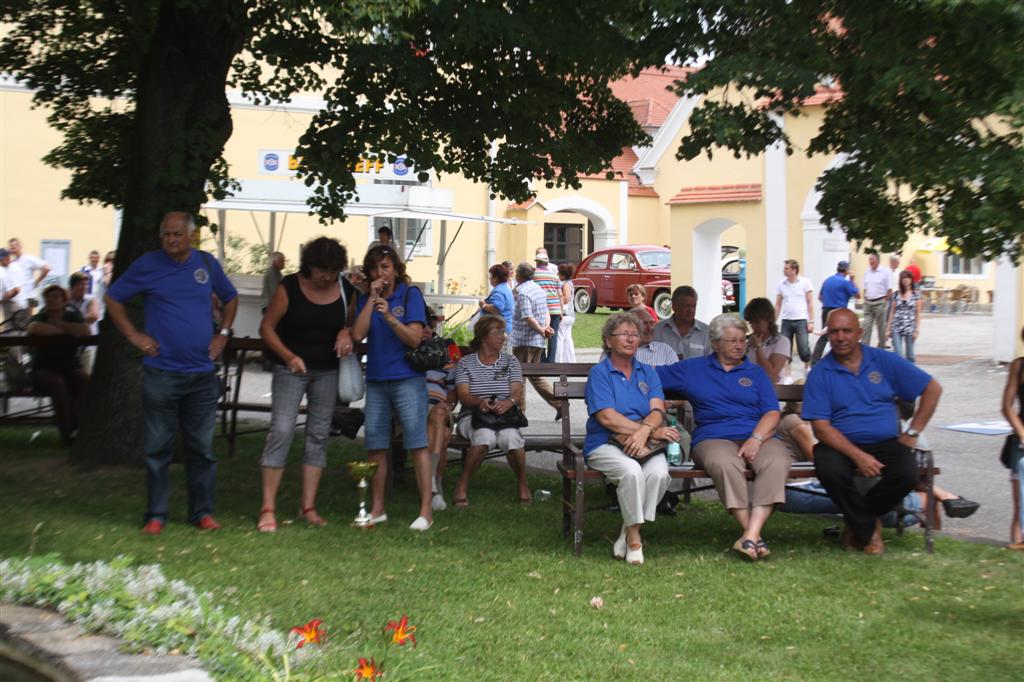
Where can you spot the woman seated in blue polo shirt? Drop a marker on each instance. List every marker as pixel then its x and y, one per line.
pixel 626 407
pixel 391 317
pixel 736 411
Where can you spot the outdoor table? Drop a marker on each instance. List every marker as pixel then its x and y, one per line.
pixel 936 298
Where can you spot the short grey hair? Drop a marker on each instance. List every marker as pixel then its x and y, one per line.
pixel 524 271
pixel 722 322
pixel 612 324
pixel 190 220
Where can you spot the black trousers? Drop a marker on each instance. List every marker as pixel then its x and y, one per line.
pixel 836 472
pixel 819 347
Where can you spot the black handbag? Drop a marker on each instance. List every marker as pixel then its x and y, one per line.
pixel 513 418
pixel 1011 454
pixel 430 354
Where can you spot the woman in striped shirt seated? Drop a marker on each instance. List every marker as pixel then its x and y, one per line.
pixel 489 380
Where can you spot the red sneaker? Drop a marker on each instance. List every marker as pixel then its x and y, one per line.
pixel 207 523
pixel 153 527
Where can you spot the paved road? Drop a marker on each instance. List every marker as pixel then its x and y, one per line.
pixel 954 349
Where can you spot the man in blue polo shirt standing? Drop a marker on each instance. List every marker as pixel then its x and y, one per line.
pixel 179 347
pixel 850 399
pixel 836 292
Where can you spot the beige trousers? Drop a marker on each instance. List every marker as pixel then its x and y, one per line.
pixel 728 472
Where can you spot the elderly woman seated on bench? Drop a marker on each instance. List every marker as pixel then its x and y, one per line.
pixel 489 382
pixel 625 435
pixel 736 411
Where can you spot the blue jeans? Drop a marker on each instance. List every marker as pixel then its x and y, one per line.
pixel 811 498
pixel 549 355
pixel 799 328
pixel 191 399
pixel 405 398
pixel 903 345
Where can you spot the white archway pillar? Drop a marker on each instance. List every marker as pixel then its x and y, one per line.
pixel 822 249
pixel 1006 311
pixel 605 232
pixel 707 266
pixel 776 235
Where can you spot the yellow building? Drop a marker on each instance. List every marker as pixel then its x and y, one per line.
pixel 764 204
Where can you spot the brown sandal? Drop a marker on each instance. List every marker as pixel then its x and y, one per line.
pixel 318 521
pixel 266 526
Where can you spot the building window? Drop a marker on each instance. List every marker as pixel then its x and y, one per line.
pixel 564 242
pixel 413 228
pixel 954 265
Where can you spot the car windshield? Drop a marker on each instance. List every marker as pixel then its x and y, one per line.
pixel 655 259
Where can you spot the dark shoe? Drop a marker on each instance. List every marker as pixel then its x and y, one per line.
pixel 667 505
pixel 849 540
pixel 746 548
pixel 207 523
pixel 959 508
pixel 831 532
pixel 153 527
pixel 875 546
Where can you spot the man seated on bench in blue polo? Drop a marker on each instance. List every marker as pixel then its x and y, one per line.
pixel 849 399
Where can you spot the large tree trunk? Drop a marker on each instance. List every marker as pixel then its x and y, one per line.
pixel 182 121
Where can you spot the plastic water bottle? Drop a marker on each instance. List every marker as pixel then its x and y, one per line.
pixel 673 452
pixel 541 495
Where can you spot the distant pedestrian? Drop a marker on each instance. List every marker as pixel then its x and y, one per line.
pixel 876 300
pixel 836 292
pixel 179 384
pixel 25 272
pixel 904 317
pixel 546 276
pixel 8 291
pixel 500 300
pixel 1015 391
pixel 89 308
pixel 271 279
pixel 95 272
pixel 565 349
pixel 794 306
pixel 530 327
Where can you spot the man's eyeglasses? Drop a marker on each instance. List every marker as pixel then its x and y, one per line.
pixel 626 335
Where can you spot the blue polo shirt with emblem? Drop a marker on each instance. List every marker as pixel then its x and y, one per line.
pixel 608 387
pixel 862 405
pixel 385 360
pixel 836 291
pixel 178 306
pixel 725 404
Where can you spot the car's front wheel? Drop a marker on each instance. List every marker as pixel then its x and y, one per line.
pixel 663 305
pixel 584 301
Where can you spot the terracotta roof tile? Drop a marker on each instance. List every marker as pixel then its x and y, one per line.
pixel 648 95
pixel 716 193
pixel 522 205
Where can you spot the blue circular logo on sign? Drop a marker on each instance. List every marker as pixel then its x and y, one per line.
pixel 399 166
pixel 271 162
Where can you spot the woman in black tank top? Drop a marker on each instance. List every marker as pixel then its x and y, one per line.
pixel 1015 391
pixel 306 328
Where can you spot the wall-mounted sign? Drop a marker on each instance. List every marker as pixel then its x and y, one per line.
pixel 285 162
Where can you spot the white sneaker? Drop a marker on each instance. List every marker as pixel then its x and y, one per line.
pixel 379 519
pixel 421 524
pixel 437 502
pixel 619 549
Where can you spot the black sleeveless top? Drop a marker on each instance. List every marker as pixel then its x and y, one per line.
pixel 308 329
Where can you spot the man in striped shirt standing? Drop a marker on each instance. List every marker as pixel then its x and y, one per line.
pixel 546 277
pixel 530 326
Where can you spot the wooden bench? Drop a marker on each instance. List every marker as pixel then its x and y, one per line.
pixel 575 472
pixel 40 412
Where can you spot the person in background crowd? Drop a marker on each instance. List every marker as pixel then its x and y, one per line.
pixel 95 272
pixel 1015 391
pixel 894 271
pixel 391 317
pixel 849 399
pixel 766 347
pixel 500 301
pixel 25 272
pixel 904 317
pixel 510 266
pixel 89 308
pixel 736 411
pixel 687 335
pixel 546 276
pixel 836 292
pixel 915 272
pixel 637 296
pixel 7 289
pixel 566 347
pixel 385 237
pixel 179 384
pixel 271 278
pixel 794 306
pixel 106 275
pixel 649 351
pixel 56 371
pixel 440 419
pixel 626 405
pixel 530 327
pixel 306 328
pixel 876 300
pixel 489 380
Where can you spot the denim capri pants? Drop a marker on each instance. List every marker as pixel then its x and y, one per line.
pixel 406 398
pixel 320 387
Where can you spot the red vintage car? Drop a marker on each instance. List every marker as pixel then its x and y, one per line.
pixel 603 276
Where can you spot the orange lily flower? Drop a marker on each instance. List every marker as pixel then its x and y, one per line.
pixel 403 632
pixel 368 670
pixel 310 632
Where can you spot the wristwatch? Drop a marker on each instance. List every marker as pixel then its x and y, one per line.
pixel 226 331
pixel 913 433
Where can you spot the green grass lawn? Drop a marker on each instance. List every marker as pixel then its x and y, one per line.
pixel 496 594
pixel 586 331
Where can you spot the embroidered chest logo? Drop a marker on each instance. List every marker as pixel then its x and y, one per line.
pixel 745 382
pixel 875 377
pixel 644 388
pixel 398 311
pixel 201 276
